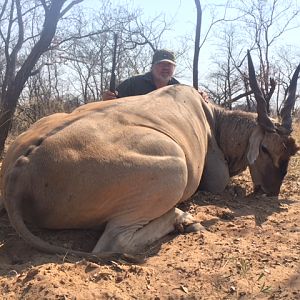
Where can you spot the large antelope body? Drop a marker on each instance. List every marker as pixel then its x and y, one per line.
pixel 126 164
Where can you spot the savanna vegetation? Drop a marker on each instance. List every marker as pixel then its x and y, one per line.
pixel 57 54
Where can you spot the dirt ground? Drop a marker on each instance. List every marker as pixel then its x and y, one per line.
pixel 251 251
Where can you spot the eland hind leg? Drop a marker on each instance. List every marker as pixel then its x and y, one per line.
pixel 133 239
pixel 150 214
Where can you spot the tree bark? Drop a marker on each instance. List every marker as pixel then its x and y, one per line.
pixel 197 44
pixel 11 93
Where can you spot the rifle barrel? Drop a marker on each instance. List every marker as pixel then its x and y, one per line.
pixel 112 84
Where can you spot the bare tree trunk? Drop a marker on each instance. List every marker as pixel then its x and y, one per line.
pixel 197 44
pixel 14 85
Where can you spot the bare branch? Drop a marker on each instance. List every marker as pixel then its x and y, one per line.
pixel 46 8
pixel 38 70
pixel 272 89
pixel 1 16
pixel 79 37
pixel 10 23
pixel 65 10
pixel 3 9
pixel 21 31
pixel 240 96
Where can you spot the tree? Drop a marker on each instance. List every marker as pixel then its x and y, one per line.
pixel 197 44
pixel 228 82
pixel 215 19
pixel 14 34
pixel 89 58
pixel 266 22
pixel 285 67
pixel 260 25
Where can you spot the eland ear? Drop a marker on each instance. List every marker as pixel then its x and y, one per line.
pixel 254 142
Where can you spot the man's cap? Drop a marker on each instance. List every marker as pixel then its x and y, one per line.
pixel 163 55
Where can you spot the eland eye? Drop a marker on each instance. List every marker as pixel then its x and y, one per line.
pixel 264 149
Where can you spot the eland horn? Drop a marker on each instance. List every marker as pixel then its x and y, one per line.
pixel 263 119
pixel 286 111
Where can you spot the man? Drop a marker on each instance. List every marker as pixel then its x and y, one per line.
pixel 162 70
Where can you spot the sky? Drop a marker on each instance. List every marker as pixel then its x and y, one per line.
pixel 183 13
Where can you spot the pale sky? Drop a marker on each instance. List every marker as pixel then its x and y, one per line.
pixel 184 14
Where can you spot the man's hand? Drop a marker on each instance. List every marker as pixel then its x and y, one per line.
pixel 204 95
pixel 108 95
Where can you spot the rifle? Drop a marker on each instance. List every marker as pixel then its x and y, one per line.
pixel 112 84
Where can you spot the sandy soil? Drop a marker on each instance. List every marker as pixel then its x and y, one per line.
pixel 251 251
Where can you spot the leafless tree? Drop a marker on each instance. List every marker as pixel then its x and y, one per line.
pixel 90 57
pixel 228 82
pixel 16 16
pixel 266 22
pixel 288 58
pixel 201 39
pixel 262 26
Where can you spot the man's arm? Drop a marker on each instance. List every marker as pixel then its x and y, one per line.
pixel 124 89
pixel 108 95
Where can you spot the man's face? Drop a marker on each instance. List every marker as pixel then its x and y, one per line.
pixel 163 71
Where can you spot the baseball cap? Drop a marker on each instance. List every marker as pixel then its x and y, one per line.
pixel 163 55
